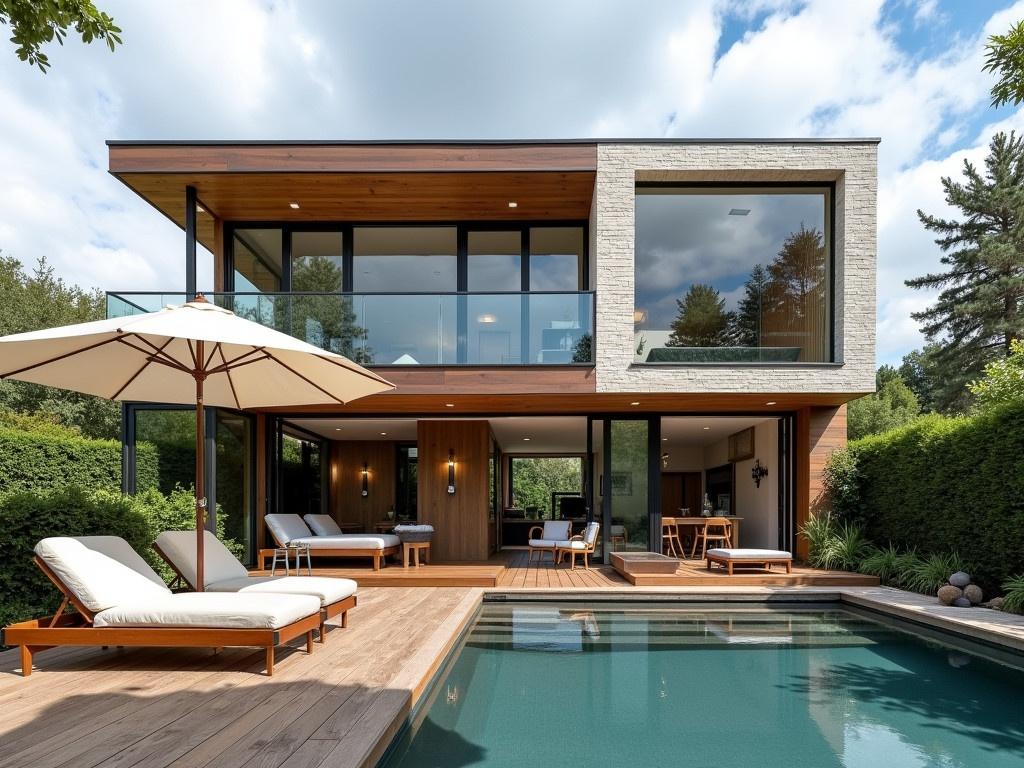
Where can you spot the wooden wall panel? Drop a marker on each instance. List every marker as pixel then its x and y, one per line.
pixel 348 505
pixel 460 520
pixel 819 433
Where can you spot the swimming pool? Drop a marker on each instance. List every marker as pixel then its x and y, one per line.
pixel 551 685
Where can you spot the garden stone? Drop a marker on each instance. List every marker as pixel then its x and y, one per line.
pixel 996 604
pixel 948 594
pixel 960 579
pixel 973 593
pixel 961 602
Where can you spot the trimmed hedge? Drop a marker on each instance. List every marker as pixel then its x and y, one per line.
pixel 43 460
pixel 27 516
pixel 941 485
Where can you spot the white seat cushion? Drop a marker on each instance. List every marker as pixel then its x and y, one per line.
pixel 211 610
pixel 544 543
pixel 322 525
pixel 424 528
pixel 180 549
pixel 590 533
pixel 326 590
pixel 573 545
pixel 750 554
pixel 97 580
pixel 556 530
pixel 367 541
pixel 121 550
pixel 285 528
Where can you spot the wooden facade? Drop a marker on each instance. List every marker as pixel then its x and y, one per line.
pixel 348 504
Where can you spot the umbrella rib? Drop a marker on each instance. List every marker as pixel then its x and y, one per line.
pixel 231 363
pixel 136 375
pixel 60 357
pixel 308 381
pixel 215 350
pixel 231 366
pixel 157 355
pixel 231 383
pixel 191 351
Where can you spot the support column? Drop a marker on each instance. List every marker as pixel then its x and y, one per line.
pixel 190 242
pixel 819 433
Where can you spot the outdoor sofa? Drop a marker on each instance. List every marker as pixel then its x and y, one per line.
pixel 223 573
pixel 290 531
pixel 129 605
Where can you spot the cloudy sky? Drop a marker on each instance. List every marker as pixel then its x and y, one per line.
pixel 906 70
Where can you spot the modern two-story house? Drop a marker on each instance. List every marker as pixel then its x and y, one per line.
pixel 668 323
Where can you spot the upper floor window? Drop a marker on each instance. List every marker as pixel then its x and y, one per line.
pixel 556 258
pixel 399 259
pixel 732 275
pixel 257 260
pixel 317 260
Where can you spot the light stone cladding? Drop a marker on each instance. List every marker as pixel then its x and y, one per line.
pixel 851 165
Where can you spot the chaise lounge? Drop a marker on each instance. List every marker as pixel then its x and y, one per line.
pixel 729 558
pixel 291 531
pixel 129 605
pixel 223 573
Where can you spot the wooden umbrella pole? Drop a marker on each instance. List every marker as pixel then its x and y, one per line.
pixel 200 376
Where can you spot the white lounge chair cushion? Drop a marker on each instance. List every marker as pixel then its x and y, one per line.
pixel 580 545
pixel 121 550
pixel 368 541
pixel 556 530
pixel 212 610
pixel 590 533
pixel 285 528
pixel 322 525
pixel 750 554
pixel 545 543
pixel 180 549
pixel 97 580
pixel 326 590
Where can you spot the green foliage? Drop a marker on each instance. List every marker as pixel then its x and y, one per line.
pixel 35 22
pixel 921 371
pixel 940 485
pixel 1004 56
pixel 26 517
pixel 534 479
pixel 702 320
pixel 887 564
pixel 41 300
pixel 1003 381
pixel 892 406
pixel 818 531
pixel 926 575
pixel 835 545
pixel 56 456
pixel 1013 600
pixel 978 312
pixel 583 352
pixel 749 313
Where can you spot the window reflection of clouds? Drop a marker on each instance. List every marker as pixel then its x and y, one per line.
pixel 682 239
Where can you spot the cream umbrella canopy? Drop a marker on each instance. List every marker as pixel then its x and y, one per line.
pixel 193 354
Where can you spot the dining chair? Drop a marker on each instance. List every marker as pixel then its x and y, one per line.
pixel 670 543
pixel 715 529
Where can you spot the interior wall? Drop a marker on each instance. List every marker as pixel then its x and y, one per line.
pixel 348 505
pixel 759 506
pixel 460 520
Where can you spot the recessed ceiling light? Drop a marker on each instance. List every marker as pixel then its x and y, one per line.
pixel 770 402
pixel 337 429
pixel 635 402
pixel 739 211
pixel 383 434
pixel 487 319
pixel 526 439
pixel 664 439
pixel 293 206
pixel 706 428
pixel 449 405
pixel 513 204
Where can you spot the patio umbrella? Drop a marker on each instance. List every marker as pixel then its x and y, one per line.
pixel 195 354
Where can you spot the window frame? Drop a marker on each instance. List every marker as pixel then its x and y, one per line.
pixel 582 457
pixel 825 188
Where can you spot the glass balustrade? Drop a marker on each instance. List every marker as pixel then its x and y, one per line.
pixel 414 329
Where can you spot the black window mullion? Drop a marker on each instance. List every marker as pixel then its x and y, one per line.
pixel 524 302
pixel 286 259
pixel 347 258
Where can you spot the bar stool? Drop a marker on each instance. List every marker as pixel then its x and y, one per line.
pixel 670 539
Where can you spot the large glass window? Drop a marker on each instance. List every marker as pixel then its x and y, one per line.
pixel 556 258
pixel 257 260
pixel 235 480
pixel 627 486
pixel 398 259
pixel 317 261
pixel 494 261
pixel 301 475
pixel 732 275
pixel 538 484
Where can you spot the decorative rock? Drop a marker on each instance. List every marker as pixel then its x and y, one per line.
pixel 961 602
pixel 948 594
pixel 973 593
pixel 996 604
pixel 960 579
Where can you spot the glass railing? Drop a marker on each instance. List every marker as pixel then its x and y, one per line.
pixel 447 329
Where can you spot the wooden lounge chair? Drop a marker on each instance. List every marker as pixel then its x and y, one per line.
pixel 223 573
pixel 290 530
pixel 545 538
pixel 126 606
pixel 728 558
pixel 584 544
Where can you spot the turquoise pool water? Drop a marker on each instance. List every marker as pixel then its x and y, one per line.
pixel 546 686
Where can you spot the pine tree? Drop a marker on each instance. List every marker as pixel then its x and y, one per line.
pixel 798 277
pixel 749 313
pixel 980 310
pixel 702 320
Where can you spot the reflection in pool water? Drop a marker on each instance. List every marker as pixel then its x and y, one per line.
pixel 629 685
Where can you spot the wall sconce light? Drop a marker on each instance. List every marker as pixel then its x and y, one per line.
pixel 366 480
pixel 451 472
pixel 758 472
pixel 664 460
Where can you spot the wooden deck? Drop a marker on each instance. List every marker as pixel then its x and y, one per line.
pixel 394 575
pixel 156 707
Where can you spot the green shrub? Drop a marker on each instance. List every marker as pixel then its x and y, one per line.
pixel 47 457
pixel 907 565
pixel 941 485
pixel 1014 589
pixel 818 531
pixel 927 574
pixel 27 516
pixel 884 563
